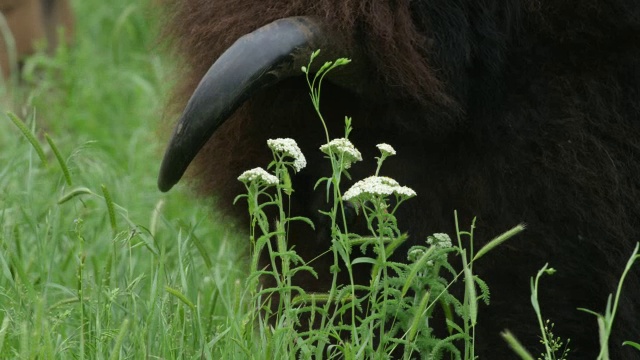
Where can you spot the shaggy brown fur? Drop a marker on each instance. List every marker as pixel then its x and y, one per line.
pixel 511 111
pixel 33 20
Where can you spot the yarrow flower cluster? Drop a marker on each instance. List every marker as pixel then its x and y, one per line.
pixel 440 240
pixel 289 147
pixel 377 186
pixel 344 149
pixel 258 175
pixel 386 149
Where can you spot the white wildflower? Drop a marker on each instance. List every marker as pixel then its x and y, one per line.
pixel 290 148
pixel 405 191
pixel 377 186
pixel 386 149
pixel 258 174
pixel 344 149
pixel 440 240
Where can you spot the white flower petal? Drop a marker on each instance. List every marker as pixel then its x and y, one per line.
pixel 386 149
pixel 344 149
pixel 377 186
pixel 258 174
pixel 290 148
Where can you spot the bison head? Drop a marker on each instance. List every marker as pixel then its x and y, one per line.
pixel 507 111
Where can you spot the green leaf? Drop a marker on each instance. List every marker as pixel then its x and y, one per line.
pixel 516 346
pixel 63 164
pixel 303 219
pixel 632 344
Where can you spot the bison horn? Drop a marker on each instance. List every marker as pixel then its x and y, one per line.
pixel 257 60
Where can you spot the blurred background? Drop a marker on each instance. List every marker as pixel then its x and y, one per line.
pixel 94 261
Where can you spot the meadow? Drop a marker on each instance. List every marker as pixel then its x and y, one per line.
pixel 97 263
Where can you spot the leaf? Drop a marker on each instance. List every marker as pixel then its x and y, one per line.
pixel 516 346
pixel 632 344
pixel 303 219
pixel 417 267
pixel 470 288
pixel 63 165
pixel 363 260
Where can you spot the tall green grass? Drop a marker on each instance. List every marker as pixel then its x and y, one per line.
pixel 95 262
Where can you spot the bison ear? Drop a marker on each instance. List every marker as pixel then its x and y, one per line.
pixel 257 60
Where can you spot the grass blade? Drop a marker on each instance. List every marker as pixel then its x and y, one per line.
pixel 180 296
pixel 499 240
pixel 516 346
pixel 29 135
pixel 73 193
pixel 112 214
pixel 115 354
pixel 63 165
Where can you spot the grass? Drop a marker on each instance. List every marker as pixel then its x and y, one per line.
pixel 94 261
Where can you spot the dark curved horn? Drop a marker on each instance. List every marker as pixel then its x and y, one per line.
pixel 255 61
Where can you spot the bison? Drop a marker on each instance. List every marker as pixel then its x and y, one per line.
pixel 30 21
pixel 508 111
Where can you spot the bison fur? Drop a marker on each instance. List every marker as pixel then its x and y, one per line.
pixel 508 111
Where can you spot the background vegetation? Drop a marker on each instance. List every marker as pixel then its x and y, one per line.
pixel 76 280
pixel 94 261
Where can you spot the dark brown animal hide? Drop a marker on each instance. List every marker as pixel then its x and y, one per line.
pixel 512 111
pixel 30 21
